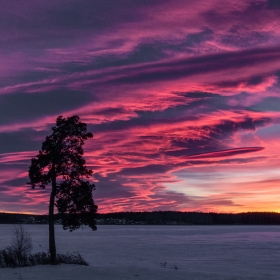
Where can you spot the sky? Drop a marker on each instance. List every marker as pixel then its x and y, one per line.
pixel 182 97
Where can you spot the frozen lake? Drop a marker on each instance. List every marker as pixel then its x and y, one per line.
pixel 167 252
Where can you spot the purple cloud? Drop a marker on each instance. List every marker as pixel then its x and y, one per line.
pixel 175 93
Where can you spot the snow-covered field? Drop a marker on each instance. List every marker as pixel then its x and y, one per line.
pixel 157 252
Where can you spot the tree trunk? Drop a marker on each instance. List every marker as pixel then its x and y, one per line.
pixel 52 247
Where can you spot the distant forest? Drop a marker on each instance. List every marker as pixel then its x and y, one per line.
pixel 158 218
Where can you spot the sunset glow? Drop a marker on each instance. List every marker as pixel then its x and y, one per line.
pixel 182 98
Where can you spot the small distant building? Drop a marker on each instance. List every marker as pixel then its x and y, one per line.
pixel 58 222
pixel 30 220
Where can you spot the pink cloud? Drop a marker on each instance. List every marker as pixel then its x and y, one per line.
pixel 16 157
pixel 226 153
pixel 146 66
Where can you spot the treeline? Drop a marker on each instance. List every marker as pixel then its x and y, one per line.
pixel 159 218
pixel 17 218
pixel 190 218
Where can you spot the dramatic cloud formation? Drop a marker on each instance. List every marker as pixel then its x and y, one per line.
pixel 183 100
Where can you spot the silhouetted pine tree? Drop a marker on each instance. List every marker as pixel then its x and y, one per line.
pixel 60 162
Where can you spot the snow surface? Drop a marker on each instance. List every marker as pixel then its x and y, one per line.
pixel 157 252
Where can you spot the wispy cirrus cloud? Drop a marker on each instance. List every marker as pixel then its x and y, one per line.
pixel 225 153
pixel 181 98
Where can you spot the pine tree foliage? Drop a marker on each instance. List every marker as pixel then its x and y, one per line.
pixel 74 200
